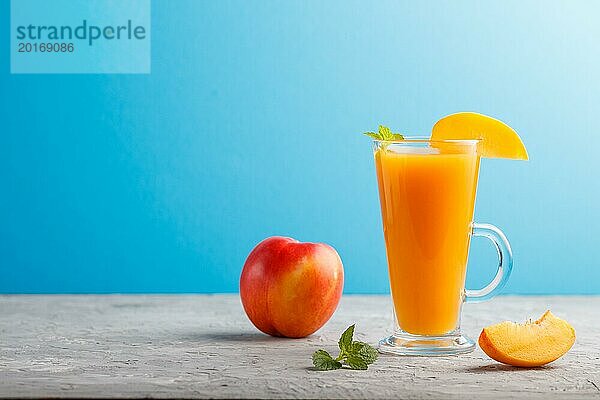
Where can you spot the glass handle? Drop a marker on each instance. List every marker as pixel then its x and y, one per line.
pixel 505 262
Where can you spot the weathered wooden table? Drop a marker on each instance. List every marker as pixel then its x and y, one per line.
pixel 200 346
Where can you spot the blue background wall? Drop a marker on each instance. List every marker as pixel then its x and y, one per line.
pixel 249 126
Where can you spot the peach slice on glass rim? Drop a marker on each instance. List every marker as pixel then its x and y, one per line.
pixel 498 140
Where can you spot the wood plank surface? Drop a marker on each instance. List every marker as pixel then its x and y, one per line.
pixel 202 346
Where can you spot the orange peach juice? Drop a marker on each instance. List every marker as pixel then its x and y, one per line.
pixel 427 196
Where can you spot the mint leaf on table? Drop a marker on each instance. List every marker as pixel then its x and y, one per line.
pixel 324 362
pixel 355 362
pixel 354 354
pixel 365 351
pixel 385 133
pixel 345 342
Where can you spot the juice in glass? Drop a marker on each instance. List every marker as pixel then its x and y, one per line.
pixel 427 195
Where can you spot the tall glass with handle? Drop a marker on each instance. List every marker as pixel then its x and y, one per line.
pixel 427 191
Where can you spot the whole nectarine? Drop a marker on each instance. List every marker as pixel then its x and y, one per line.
pixel 289 288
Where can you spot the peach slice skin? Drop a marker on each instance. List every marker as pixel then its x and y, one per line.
pixel 498 140
pixel 528 345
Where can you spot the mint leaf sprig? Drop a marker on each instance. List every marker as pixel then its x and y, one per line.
pixel 385 133
pixel 354 354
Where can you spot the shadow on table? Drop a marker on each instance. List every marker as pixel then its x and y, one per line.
pixel 490 368
pixel 230 337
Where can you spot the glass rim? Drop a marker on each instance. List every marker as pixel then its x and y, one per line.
pixel 427 139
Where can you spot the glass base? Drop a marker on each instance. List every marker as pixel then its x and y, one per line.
pixel 405 344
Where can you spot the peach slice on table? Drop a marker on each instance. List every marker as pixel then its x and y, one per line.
pixel 498 140
pixel 531 344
